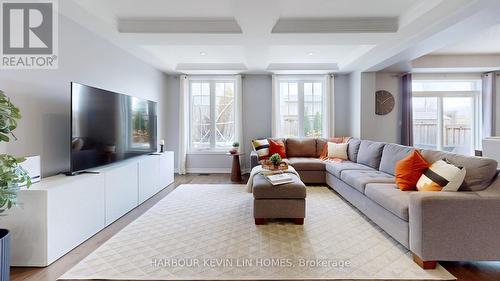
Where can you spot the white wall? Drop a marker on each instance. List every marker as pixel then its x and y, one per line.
pixel 368 124
pixel 172 118
pixel 386 128
pixel 364 123
pixel 44 95
pixel 257 110
pixel 497 106
pixel 355 104
pixel 342 110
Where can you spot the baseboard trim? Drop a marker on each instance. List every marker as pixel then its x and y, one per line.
pixel 211 171
pixel 208 170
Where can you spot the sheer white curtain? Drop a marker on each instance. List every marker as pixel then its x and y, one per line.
pixel 275 100
pixel 238 116
pixel 183 122
pixel 329 106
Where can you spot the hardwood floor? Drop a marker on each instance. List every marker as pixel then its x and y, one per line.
pixel 464 271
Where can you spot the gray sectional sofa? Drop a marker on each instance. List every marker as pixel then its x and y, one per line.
pixel 434 226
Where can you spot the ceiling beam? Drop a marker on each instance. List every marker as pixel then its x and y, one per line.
pixel 302 68
pixel 210 68
pixel 456 63
pixel 179 25
pixel 337 25
pixel 446 23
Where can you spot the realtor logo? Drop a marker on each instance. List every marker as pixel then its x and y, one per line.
pixel 29 35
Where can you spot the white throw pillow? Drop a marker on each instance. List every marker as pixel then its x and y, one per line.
pixel 337 150
pixel 442 175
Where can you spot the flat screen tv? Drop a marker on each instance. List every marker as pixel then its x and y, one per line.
pixel 107 127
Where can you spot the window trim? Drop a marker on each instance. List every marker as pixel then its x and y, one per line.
pixel 211 80
pixel 476 130
pixel 301 80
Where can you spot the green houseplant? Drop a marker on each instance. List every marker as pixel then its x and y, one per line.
pixel 12 175
pixel 234 150
pixel 275 159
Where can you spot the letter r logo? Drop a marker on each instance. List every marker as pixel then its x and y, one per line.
pixel 27 28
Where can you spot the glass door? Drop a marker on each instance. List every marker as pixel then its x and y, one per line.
pixel 426 122
pixel 445 122
pixel 458 120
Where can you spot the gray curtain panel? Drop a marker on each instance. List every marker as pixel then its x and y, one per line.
pixel 488 95
pixel 407 111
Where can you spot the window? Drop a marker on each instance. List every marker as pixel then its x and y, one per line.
pixel 446 115
pixel 301 108
pixel 212 114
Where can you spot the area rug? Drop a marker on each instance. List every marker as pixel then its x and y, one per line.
pixel 207 232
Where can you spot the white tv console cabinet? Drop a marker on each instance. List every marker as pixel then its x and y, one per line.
pixel 60 212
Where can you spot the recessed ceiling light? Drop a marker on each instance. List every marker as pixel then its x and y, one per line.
pixel 203 54
pixel 310 53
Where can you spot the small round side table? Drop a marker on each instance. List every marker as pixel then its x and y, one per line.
pixel 236 170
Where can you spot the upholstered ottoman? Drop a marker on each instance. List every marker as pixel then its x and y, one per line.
pixel 286 201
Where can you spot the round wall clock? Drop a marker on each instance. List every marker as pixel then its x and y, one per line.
pixel 384 102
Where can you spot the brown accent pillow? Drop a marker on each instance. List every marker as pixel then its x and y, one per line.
pixel 277 146
pixel 409 170
pixel 324 152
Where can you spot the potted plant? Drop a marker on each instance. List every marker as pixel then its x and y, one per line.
pixel 234 150
pixel 275 162
pixel 275 159
pixel 12 176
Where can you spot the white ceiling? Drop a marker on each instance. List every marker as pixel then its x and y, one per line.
pixel 230 8
pixel 485 42
pixel 256 48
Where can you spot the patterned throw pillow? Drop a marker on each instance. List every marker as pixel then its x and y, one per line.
pixel 441 176
pixel 261 147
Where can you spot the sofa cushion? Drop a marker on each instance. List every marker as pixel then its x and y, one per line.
pixel 358 179
pixel 391 154
pixel 409 170
pixel 480 171
pixel 370 153
pixel 261 146
pixel 277 146
pixel 336 168
pixel 441 176
pixel 307 164
pixel 390 198
pixel 353 149
pixel 321 145
pixel 301 147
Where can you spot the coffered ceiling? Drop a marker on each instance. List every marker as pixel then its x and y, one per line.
pixel 260 36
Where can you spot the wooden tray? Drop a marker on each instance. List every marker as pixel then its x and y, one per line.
pixel 268 165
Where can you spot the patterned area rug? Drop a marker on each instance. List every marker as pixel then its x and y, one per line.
pixel 202 232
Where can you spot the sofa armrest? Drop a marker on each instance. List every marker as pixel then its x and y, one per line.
pixel 254 159
pixel 454 226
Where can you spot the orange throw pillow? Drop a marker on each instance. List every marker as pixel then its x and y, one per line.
pixel 277 146
pixel 409 169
